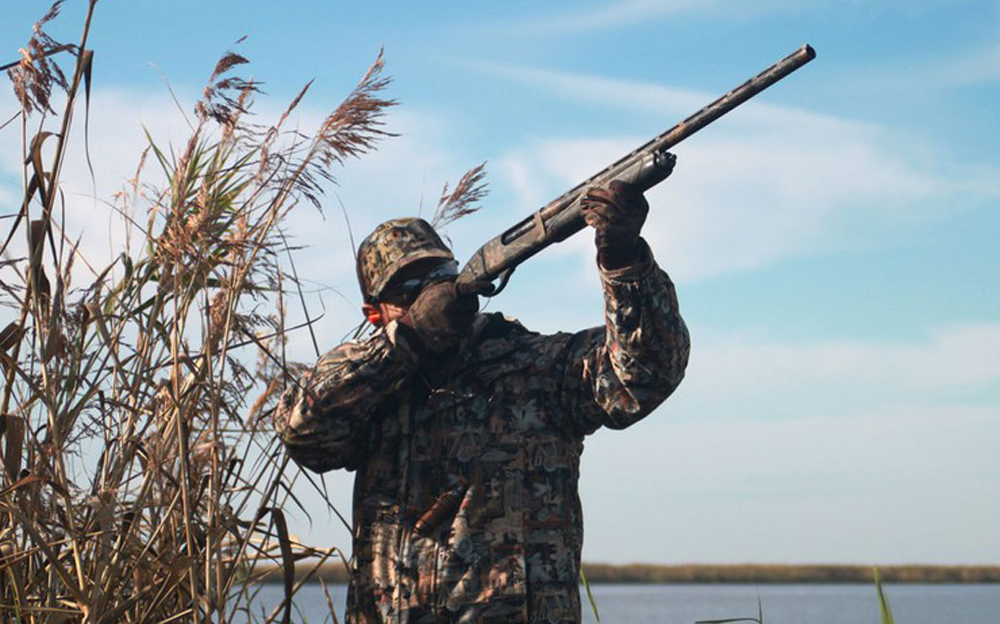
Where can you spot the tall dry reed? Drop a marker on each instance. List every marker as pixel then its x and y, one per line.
pixel 138 484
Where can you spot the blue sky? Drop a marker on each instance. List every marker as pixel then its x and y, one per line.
pixel 833 241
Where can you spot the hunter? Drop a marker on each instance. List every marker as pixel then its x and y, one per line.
pixel 466 429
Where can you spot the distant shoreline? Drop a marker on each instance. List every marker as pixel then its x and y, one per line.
pixel 641 573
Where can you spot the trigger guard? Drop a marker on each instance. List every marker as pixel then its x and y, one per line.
pixel 504 278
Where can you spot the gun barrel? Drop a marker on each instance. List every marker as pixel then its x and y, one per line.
pixel 645 167
pixel 706 115
pixel 731 100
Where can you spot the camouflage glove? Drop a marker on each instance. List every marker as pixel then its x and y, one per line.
pixel 617 213
pixel 443 313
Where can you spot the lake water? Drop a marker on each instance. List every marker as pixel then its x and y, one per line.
pixel 782 604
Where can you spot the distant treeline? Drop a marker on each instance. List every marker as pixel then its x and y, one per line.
pixel 784 573
pixel 747 573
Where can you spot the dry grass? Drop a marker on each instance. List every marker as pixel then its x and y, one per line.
pixel 138 485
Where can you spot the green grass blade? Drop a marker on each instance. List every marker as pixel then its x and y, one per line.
pixel 883 604
pixel 590 596
pixel 759 619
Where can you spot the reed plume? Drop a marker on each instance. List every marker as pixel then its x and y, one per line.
pixel 463 200
pixel 139 482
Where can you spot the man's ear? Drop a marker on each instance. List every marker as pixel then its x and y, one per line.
pixel 373 314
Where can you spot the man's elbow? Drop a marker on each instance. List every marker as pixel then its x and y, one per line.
pixel 670 363
pixel 650 385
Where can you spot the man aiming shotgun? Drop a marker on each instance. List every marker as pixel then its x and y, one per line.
pixel 466 429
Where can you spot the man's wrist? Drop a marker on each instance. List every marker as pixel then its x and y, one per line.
pixel 613 261
pixel 634 263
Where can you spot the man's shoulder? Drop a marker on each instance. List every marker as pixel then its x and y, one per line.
pixel 500 334
pixel 500 326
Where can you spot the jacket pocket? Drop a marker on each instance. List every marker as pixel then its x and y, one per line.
pixel 481 565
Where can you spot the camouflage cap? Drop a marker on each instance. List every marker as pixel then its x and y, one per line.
pixel 393 245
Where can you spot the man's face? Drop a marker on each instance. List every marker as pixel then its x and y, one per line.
pixel 404 287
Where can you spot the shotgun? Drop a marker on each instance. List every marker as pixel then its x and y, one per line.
pixel 644 167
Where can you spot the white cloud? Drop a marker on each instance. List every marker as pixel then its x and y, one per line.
pixel 404 175
pixel 782 182
pixel 637 97
pixel 951 65
pixel 893 486
pixel 736 376
pixel 624 13
pixel 116 140
pixel 798 447
pixel 618 14
pixel 980 66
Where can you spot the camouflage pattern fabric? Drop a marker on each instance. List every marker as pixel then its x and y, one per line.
pixel 393 245
pixel 466 507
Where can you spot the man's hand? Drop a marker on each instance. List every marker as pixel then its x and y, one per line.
pixel 617 213
pixel 443 313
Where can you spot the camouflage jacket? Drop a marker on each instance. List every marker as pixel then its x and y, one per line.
pixel 466 506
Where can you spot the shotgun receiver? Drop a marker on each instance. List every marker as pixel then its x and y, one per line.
pixel 644 167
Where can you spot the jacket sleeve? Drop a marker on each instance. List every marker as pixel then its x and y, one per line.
pixel 617 374
pixel 325 420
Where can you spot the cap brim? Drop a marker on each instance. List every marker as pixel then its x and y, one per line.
pixel 393 269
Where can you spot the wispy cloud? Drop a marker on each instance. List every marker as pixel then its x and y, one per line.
pixel 117 120
pixel 623 13
pixel 958 64
pixel 781 181
pixel 745 378
pixel 975 67
pixel 764 438
pixel 808 488
pixel 661 102
pixel 740 204
pixel 620 14
pixel 406 173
